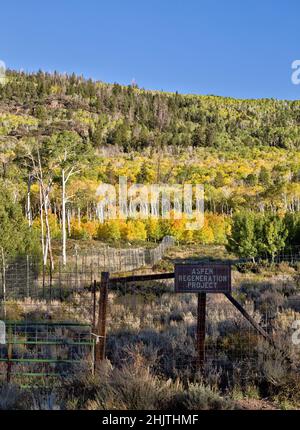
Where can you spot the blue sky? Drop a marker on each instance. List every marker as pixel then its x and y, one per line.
pixel 230 47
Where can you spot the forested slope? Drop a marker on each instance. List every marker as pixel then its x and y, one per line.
pixel 133 118
pixel 245 152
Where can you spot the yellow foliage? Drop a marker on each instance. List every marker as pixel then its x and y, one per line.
pixel 134 230
pixel 153 229
pixel 205 235
pixel 178 229
pixel 109 230
pixel 90 228
pixel 53 223
pixel 84 230
pixel 219 226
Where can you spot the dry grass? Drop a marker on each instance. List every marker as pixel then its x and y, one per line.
pixel 151 346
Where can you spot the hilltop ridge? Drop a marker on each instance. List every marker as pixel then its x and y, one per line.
pixel 40 103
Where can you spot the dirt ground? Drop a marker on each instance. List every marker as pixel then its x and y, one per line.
pixel 254 404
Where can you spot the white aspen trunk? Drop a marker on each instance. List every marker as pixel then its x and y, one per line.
pixel 69 216
pixel 28 205
pixel 44 197
pixel 63 216
pixel 66 174
pixel 48 231
pixel 79 217
pixel 42 229
pixel 285 201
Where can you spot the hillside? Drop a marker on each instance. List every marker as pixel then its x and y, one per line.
pixel 132 118
pixel 245 152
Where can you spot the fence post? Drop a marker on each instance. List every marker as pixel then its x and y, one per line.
pixel 101 329
pixel 59 280
pixel 201 313
pixel 94 303
pixel 27 275
pixel 3 276
pixel 76 270
pixel 9 355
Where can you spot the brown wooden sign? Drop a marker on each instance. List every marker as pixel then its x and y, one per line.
pixel 203 278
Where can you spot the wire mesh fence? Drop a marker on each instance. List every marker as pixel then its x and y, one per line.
pixel 51 327
pixel 50 319
pixel 50 338
pixel 162 324
pixel 44 349
pixel 23 277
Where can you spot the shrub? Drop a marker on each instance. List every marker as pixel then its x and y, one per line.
pixel 109 230
pixel 199 397
pixel 153 229
pixel 289 391
pixel 134 230
pixel 131 387
pixel 84 230
pixel 11 397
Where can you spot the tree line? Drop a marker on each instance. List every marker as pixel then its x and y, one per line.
pixel 263 235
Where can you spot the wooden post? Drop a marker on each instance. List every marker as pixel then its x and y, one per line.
pixel 201 312
pixel 44 280
pixel 76 271
pixel 59 280
pixel 101 328
pixel 27 275
pixel 9 355
pixel 94 303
